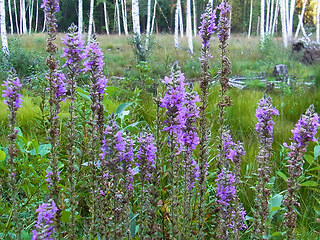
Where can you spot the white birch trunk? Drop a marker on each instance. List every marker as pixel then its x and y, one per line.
pixel 290 27
pixel 189 27
pixel 318 21
pixel 30 15
pixel 250 20
pixel 262 21
pixel 16 16
pixel 180 17
pixel 118 17
pixel 136 18
pixel 106 22
pixel 287 14
pixel 194 17
pixel 10 17
pixel 211 3
pixel 154 16
pixel 37 16
pixel 4 41
pixel 271 17
pixel 148 24
pixel 44 23
pixel 268 16
pixel 90 19
pixel 284 22
pixel 20 19
pixel 24 19
pixel 301 18
pixel 124 17
pixel 80 17
pixel 176 28
pixel 275 20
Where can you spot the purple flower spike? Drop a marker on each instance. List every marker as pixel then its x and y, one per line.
pixel 45 223
pixel 11 93
pixel 207 25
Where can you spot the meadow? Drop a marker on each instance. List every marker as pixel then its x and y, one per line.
pixel 54 148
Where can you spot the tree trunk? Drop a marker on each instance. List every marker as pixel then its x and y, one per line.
pixel 301 18
pixel 90 20
pixel 44 22
pixel 284 22
pixel 16 16
pixel 124 16
pixel 189 27
pixel 271 17
pixel 268 16
pixel 180 17
pixel 194 3
pixel 80 17
pixel 290 26
pixel 106 22
pixel 4 41
pixel 262 22
pixel 154 16
pixel 176 28
pixel 250 21
pixel 318 21
pixel 10 17
pixel 24 19
pixel 148 24
pixel 275 20
pixel 117 10
pixel 30 15
pixel 37 16
pixel 136 18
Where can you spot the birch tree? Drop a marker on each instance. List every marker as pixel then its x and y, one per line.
pixel 106 21
pixel 318 21
pixel 30 15
pixel 154 16
pixel 80 16
pixel 284 22
pixel 148 24
pixel 180 17
pixel 4 41
pixel 290 25
pixel 250 19
pixel 262 21
pixel 23 16
pixel 16 16
pixel 124 16
pixel 189 27
pixel 176 28
pixel 275 18
pixel 136 18
pixel 194 3
pixel 117 17
pixel 37 16
pixel 300 24
pixel 10 17
pixel 90 19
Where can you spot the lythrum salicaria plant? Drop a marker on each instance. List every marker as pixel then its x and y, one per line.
pixel 303 133
pixel 13 100
pixel 56 95
pixel 206 30
pixel 264 128
pixel 72 51
pixel 93 65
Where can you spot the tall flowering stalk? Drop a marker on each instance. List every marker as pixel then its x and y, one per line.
pixel 146 157
pixel 264 128
pixel 13 100
pixel 93 64
pixel 303 133
pixel 115 182
pixel 44 227
pixel 72 51
pixel 207 28
pixel 56 95
pixel 231 214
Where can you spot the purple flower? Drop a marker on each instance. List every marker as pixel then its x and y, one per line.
pixel 44 225
pixel 207 25
pixel 226 189
pixel 146 155
pixel 94 57
pixel 49 177
pixel 11 93
pixel 224 23
pixel 60 86
pixel 73 42
pixel 47 4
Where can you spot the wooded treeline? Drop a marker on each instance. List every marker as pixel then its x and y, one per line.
pixel 26 16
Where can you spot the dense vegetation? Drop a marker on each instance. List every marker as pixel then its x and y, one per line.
pixel 121 165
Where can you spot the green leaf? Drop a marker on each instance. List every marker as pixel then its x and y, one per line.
pixel 309 158
pixel 25 235
pixel 44 149
pixel 275 208
pixel 65 216
pixel 315 168
pixel 316 151
pixel 83 93
pixel 282 175
pixel 122 107
pixel 2 155
pixel 309 184
pixel 277 234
